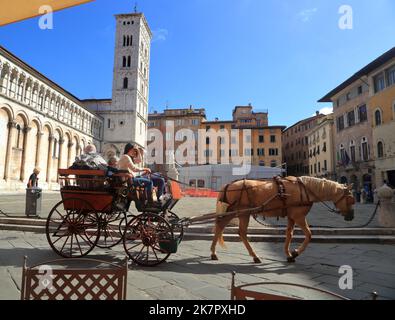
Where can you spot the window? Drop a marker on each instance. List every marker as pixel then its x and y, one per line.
pixel 201 183
pixel 221 127
pixel 377 117
pixel 261 163
pixel 109 124
pixel 359 90
pixel 365 149
pixel 247 152
pixel 362 113
pixel 273 164
pixel 272 139
pixel 124 39
pixel 380 150
pixel 340 123
pixel 124 62
pixel 248 139
pixel 379 83
pixel 273 152
pixel 125 83
pixel 261 152
pixel 129 61
pixel 207 140
pixel 233 140
pixel 324 148
pixel 319 166
pixel 391 76
pixel 195 122
pixel 351 118
pixel 325 165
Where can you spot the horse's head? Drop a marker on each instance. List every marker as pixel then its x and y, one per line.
pixel 345 205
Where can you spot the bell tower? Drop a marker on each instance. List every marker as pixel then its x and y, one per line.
pixel 127 120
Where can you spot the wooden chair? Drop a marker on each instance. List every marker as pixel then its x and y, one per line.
pixel 245 292
pixel 44 282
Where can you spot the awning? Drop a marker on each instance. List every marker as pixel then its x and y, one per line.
pixel 17 10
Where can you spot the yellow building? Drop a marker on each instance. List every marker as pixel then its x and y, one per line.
pixel 321 149
pixel 382 104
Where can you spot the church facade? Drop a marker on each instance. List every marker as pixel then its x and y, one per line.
pixel 43 125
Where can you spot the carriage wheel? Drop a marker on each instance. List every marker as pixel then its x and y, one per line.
pixel 110 234
pixel 72 232
pixel 178 230
pixel 144 239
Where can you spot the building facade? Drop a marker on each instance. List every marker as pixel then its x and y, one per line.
pixel 247 137
pixel 356 104
pixel 321 146
pixel 169 126
pixel 41 125
pixel 295 144
pixel 382 104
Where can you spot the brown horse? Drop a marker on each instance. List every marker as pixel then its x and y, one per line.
pixel 291 198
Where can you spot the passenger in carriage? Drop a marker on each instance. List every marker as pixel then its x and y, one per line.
pixel 157 180
pixel 126 163
pixel 90 159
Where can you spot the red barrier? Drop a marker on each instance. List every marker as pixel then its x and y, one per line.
pixel 200 193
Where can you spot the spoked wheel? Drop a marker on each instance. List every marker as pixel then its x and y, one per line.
pixel 147 238
pixel 110 234
pixel 178 230
pixel 72 228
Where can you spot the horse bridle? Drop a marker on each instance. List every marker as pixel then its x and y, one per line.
pixel 346 193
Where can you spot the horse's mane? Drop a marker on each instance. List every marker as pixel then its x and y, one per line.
pixel 322 187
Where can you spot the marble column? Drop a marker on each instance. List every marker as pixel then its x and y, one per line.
pixel 11 137
pixel 26 131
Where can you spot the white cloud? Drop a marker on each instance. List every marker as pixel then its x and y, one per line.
pixel 160 34
pixel 326 110
pixel 307 14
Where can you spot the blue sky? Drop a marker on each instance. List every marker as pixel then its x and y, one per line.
pixel 281 55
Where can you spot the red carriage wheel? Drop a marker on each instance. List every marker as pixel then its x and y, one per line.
pixel 148 240
pixel 72 228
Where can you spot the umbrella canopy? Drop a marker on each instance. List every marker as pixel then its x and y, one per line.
pixel 17 10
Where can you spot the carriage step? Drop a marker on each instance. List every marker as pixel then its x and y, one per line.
pixel 372 239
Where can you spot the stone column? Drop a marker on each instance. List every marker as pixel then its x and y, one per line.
pixel 26 131
pixel 11 136
pixel 49 159
pixel 38 150
pixel 69 160
pixel 387 207
pixel 60 159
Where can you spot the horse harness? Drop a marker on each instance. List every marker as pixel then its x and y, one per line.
pixel 281 195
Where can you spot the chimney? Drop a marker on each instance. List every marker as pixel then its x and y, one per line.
pixel 216 119
pixel 317 113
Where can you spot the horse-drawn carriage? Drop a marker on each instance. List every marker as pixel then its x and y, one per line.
pixel 94 212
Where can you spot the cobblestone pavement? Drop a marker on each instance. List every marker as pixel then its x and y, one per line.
pixel 190 274
pixel 14 205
